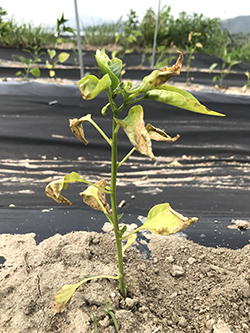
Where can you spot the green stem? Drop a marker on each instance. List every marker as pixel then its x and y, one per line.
pixel 126 157
pixel 100 131
pixel 114 167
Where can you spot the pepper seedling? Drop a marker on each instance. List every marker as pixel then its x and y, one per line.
pixel 161 219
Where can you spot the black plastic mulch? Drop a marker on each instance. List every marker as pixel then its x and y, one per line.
pixel 211 182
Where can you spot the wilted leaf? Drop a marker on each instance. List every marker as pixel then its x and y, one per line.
pixel 134 127
pixel 179 98
pixel 158 78
pixel 159 135
pixel 111 67
pixel 62 298
pixel 90 86
pixel 130 241
pixel 96 198
pixel 53 189
pixel 163 220
pixel 77 129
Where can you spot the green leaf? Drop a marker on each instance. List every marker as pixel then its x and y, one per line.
pixel 63 56
pixel 163 220
pixel 124 228
pixel 179 98
pixel 51 53
pixel 53 189
pixel 35 71
pixel 111 67
pixel 18 73
pixel 62 298
pixel 212 67
pixel 25 60
pixel 90 86
pixel 134 126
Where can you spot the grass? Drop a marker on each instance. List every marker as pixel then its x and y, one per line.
pixel 101 34
pixel 26 35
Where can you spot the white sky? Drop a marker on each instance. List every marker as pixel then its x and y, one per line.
pixel 47 11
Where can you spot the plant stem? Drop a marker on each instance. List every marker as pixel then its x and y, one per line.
pixel 114 167
pixel 126 157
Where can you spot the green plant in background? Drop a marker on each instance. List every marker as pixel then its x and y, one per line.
pixel 227 63
pixel 161 219
pixel 63 56
pixel 29 63
pixel 147 26
pixel 102 34
pixel 4 26
pixel 193 46
pixel 162 59
pixel 244 88
pixel 129 37
pixel 51 64
pixel 27 35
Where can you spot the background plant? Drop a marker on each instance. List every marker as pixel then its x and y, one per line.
pixel 102 34
pixel 147 27
pixel 63 56
pixel 4 26
pixel 129 37
pixel 227 63
pixel 194 45
pixel 161 219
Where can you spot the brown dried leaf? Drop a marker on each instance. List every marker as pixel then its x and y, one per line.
pixel 77 129
pixel 159 135
pixel 53 191
pixel 92 194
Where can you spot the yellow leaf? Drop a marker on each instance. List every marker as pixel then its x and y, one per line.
pixel 134 127
pixel 62 298
pixel 163 220
pixel 96 198
pixel 129 242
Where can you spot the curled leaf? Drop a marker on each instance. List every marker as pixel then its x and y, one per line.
pixel 90 86
pixel 158 78
pixel 62 298
pixel 77 129
pixel 163 220
pixel 112 67
pixel 134 127
pixel 96 198
pixel 53 189
pixel 159 135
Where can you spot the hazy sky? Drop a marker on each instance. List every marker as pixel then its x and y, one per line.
pixel 47 11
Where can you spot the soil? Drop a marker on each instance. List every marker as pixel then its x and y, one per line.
pixel 179 287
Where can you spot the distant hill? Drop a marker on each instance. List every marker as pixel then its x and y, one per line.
pixel 237 24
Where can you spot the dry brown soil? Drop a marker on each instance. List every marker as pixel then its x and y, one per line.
pixel 183 287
